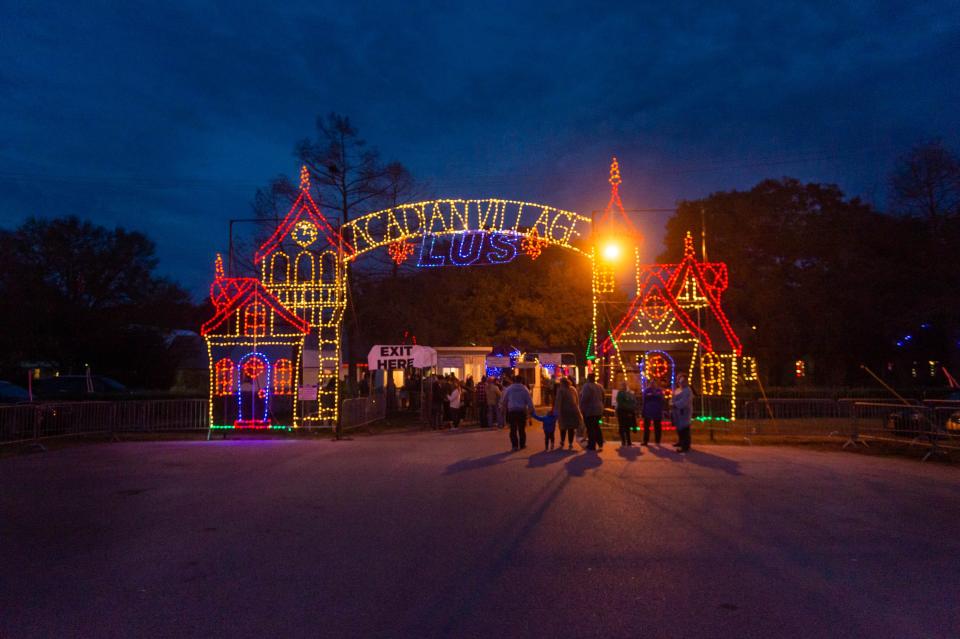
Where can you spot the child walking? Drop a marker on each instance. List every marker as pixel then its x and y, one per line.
pixel 549 428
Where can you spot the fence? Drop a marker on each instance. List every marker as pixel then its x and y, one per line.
pixel 915 424
pixel 40 421
pixel 933 423
pixel 360 411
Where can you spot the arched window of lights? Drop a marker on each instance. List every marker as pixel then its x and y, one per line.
pixel 279 268
pixel 711 374
pixel 223 377
pixel 255 320
pixel 283 377
pixel 328 267
pixel 305 267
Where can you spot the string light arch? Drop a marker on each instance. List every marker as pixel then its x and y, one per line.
pixel 304 268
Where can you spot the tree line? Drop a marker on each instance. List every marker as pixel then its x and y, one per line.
pixel 814 276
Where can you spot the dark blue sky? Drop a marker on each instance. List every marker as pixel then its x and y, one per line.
pixel 164 117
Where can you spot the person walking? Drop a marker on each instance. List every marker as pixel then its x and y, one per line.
pixel 626 413
pixel 480 394
pixel 566 408
pixel 515 404
pixel 549 420
pixel 436 402
pixel 652 412
pixel 682 402
pixel 591 405
pixel 466 397
pixel 456 404
pixel 446 385
pixel 493 401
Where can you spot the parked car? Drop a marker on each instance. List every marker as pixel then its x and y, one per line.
pixel 906 422
pixel 12 394
pixel 953 423
pixel 77 387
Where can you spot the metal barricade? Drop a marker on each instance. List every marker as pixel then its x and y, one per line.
pixel 360 411
pixel 34 422
pixel 846 404
pixel 910 424
pixel 152 416
pixel 19 423
pixel 75 418
pixel 790 409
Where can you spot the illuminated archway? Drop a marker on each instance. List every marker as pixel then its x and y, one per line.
pixel 301 293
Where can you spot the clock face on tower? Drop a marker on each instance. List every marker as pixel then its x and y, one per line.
pixel 304 233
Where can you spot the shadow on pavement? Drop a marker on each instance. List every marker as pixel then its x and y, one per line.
pixel 629 453
pixel 666 452
pixel 545 457
pixel 477 462
pixel 700 458
pixel 708 460
pixel 579 465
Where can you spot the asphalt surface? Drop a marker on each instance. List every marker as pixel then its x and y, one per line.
pixel 452 535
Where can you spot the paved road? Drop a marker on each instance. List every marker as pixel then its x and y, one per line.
pixel 449 535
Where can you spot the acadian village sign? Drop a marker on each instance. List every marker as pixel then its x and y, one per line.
pixel 467 232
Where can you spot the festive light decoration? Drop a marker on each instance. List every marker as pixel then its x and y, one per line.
pixel 224 377
pixel 657 365
pixel 269 318
pixel 283 377
pixel 304 233
pixel 711 374
pixel 468 248
pixel 448 217
pixel 302 287
pixel 532 244
pixel 254 367
pixel 255 320
pixel 603 277
pixel 615 206
pixel 800 368
pixel 677 308
pixel 399 251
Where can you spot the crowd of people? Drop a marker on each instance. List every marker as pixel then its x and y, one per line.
pixel 505 401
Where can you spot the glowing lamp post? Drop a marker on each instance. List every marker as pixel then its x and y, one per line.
pixel 610 252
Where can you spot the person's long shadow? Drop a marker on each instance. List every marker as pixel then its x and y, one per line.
pixel 700 458
pixel 629 453
pixel 709 460
pixel 475 463
pixel 545 457
pixel 579 465
pixel 665 453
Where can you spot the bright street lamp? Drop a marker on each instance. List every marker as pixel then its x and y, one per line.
pixel 611 252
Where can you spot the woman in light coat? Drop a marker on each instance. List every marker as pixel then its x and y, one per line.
pixel 681 413
pixel 566 406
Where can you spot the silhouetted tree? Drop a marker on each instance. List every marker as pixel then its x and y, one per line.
pixel 926 182
pixel 822 277
pixel 75 293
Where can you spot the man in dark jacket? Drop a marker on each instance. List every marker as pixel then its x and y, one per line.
pixel 591 405
pixel 652 411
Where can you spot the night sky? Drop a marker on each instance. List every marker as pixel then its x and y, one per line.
pixel 165 117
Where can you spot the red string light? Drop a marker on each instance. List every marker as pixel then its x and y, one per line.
pixel 399 251
pixel 662 287
pixel 303 208
pixel 609 217
pixel 532 244
pixel 254 367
